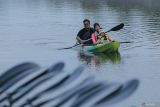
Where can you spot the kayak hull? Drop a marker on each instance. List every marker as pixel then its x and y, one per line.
pixel 107 47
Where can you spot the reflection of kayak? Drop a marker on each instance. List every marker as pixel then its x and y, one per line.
pixel 107 47
pixel 99 58
pixel 113 57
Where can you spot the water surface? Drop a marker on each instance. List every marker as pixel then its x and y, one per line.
pixel 32 30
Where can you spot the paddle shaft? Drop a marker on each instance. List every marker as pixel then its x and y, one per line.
pixel 90 39
pixel 77 44
pixel 126 42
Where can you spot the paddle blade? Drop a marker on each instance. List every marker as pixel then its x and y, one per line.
pixel 116 28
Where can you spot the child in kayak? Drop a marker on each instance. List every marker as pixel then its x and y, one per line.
pixel 98 36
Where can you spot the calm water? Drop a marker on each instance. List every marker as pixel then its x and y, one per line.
pixel 32 30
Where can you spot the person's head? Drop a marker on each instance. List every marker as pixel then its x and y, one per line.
pixel 97 26
pixel 86 23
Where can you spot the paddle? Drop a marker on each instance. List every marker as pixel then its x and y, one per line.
pixel 10 77
pixel 60 85
pixel 108 96
pixel 94 94
pixel 103 94
pixel 116 28
pixel 40 78
pixel 126 42
pixel 126 90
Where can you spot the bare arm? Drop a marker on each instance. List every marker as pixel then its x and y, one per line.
pixel 79 39
pixel 87 39
pixel 82 41
pixel 109 38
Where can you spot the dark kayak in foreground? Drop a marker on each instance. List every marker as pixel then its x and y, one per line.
pixel 107 47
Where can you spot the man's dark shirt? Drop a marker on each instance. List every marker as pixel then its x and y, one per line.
pixel 85 34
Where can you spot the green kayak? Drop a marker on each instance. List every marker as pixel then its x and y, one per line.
pixel 107 47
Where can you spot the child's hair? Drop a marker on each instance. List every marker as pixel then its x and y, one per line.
pixel 96 24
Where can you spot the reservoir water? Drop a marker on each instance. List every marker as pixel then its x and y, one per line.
pixel 33 30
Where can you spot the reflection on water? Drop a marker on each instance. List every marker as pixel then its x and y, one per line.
pixel 99 58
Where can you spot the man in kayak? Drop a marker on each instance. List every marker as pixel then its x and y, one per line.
pixel 84 35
